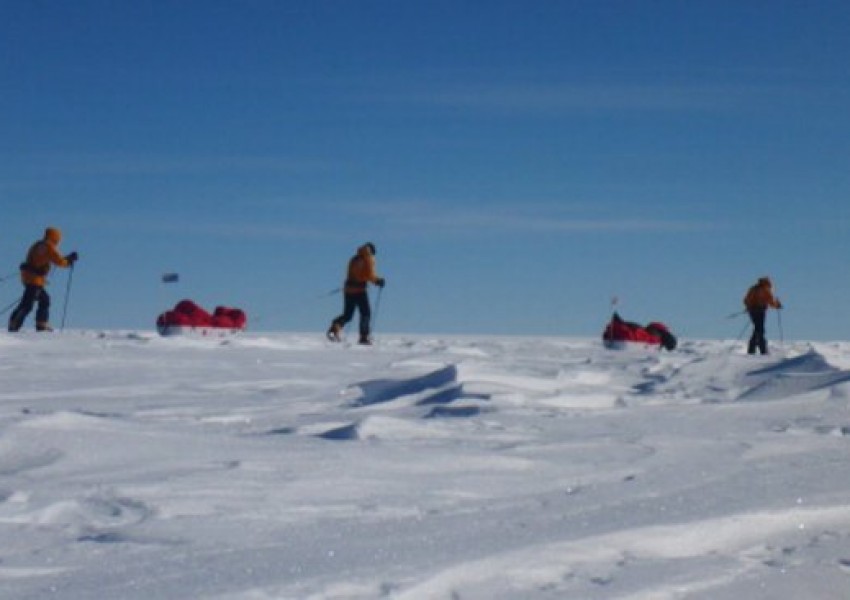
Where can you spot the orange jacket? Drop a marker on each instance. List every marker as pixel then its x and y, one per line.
pixel 41 256
pixel 361 270
pixel 761 295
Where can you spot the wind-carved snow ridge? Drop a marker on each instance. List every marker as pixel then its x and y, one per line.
pixel 97 517
pixel 794 376
pixel 439 389
pixel 727 375
pixel 436 387
pixel 564 568
pixel 16 460
pixel 377 391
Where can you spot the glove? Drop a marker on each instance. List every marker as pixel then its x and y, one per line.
pixel 380 282
pixel 72 258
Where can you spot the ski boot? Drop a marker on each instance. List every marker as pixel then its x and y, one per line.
pixel 14 325
pixel 334 333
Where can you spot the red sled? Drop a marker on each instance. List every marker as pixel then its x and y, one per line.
pixel 188 318
pixel 620 334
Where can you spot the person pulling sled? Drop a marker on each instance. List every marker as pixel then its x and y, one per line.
pixel 757 300
pixel 40 257
pixel 361 272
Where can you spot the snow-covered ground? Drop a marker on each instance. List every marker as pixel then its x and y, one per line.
pixel 281 466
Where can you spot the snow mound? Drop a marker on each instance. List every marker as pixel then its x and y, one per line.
pixel 792 377
pixel 387 390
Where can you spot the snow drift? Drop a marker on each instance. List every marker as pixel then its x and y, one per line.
pixel 281 466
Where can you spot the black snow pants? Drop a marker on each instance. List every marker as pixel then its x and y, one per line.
pixel 757 340
pixel 356 301
pixel 32 294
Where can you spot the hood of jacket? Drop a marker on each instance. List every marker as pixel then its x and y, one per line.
pixel 53 235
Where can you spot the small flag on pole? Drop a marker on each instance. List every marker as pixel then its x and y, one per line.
pixel 170 278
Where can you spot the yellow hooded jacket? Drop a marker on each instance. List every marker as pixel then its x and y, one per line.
pixel 41 256
pixel 361 270
pixel 761 296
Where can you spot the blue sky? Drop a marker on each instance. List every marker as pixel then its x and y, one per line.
pixel 516 163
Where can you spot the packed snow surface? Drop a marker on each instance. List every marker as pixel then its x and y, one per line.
pixel 282 466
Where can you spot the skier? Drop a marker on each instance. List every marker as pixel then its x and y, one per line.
pixel 758 299
pixel 42 254
pixel 361 271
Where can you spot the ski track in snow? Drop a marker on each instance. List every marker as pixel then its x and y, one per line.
pixel 282 466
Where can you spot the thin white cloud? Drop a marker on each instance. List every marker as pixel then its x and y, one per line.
pixel 525 224
pixel 116 164
pixel 243 230
pixel 423 217
pixel 547 98
pixel 199 226
pixel 543 224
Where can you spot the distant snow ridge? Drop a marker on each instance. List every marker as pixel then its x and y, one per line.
pixel 394 405
pixel 727 376
pixel 793 376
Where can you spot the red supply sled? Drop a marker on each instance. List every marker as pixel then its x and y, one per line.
pixel 621 334
pixel 187 318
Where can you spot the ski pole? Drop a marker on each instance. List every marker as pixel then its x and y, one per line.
pixel 741 335
pixel 67 296
pixel 737 314
pixel 377 308
pixel 333 292
pixel 7 277
pixel 614 301
pixel 781 332
pixel 9 307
